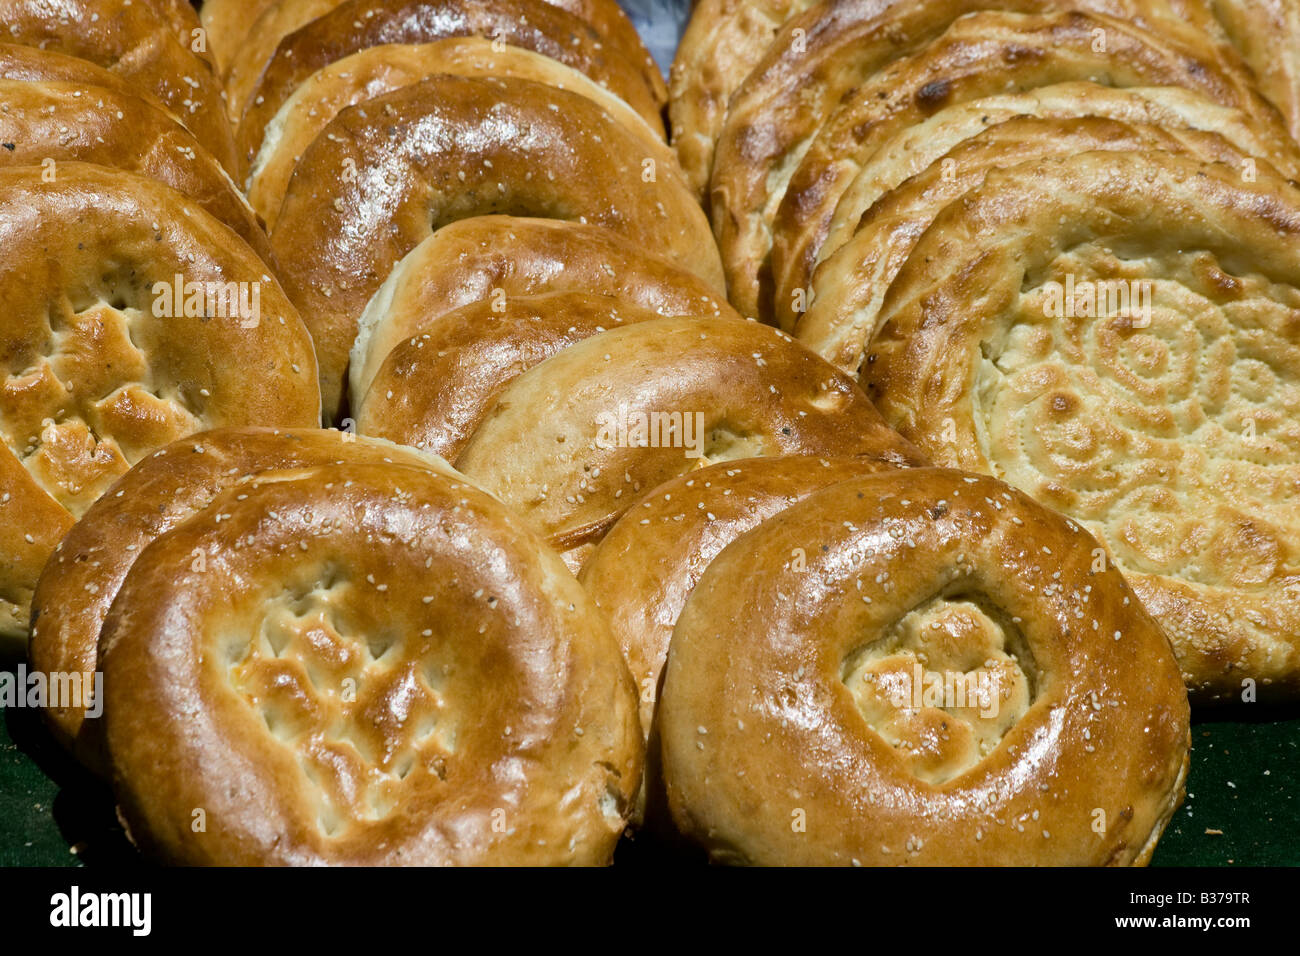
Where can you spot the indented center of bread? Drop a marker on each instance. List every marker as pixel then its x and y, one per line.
pixel 85 397
pixel 944 685
pixel 346 690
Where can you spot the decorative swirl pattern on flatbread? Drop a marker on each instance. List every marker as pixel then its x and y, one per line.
pixel 1119 335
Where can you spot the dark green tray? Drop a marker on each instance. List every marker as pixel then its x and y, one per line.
pixel 1244 779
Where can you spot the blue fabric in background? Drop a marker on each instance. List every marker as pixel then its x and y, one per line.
pixel 660 23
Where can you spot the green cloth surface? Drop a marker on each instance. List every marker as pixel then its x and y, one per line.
pixel 1244 780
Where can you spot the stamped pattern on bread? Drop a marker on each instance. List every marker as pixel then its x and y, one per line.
pixel 342 693
pixel 850 284
pixel 101 362
pixel 945 684
pixel 492 722
pixel 164 490
pixel 1116 333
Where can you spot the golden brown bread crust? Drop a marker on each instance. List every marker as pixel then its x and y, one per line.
pixel 78 120
pixel 1267 32
pixel 1056 123
pixel 93 379
pixel 280 18
pixel 1168 424
pixel 382 69
pixel 849 285
pixel 617 32
pixel 358 24
pixel 560 443
pixel 228 24
pixel 727 39
pixel 500 258
pixel 35 65
pixel 775 118
pixel 1032 51
pixel 452 148
pixel 370 665
pixel 791 730
pixel 276 20
pixel 149 43
pixel 434 389
pixel 31 524
pixel 722 42
pixel 643 571
pixel 164 490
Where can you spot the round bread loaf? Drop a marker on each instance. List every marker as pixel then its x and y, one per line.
pixel 643 571
pixel 850 284
pixel 382 69
pixel 164 490
pixel 104 362
pixel 500 258
pixel 1116 335
pixel 920 668
pixel 263 31
pixel 1023 138
pixel 37 65
pixel 573 442
pixel 450 148
pixel 435 388
pixel 56 120
pixel 367 665
pixel 357 24
pixel 156 45
pixel 645 568
pixel 278 19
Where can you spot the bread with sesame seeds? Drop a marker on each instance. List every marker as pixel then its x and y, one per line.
pixel 163 490
pixel 228 24
pixel 920 667
pixel 645 568
pixel 435 388
pixel 572 442
pixel 500 259
pixel 347 28
pixel 155 45
pixel 277 19
pixel 81 119
pixel 364 664
pixel 381 69
pixel 133 318
pixel 450 148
